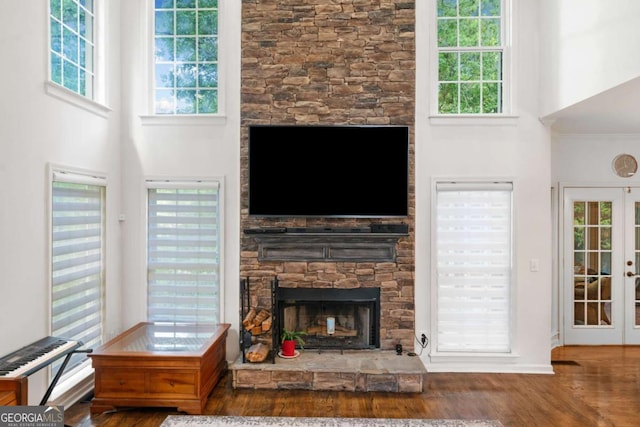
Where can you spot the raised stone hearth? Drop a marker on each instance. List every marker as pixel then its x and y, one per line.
pixel 363 370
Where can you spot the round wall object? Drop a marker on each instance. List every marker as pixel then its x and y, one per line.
pixel 625 165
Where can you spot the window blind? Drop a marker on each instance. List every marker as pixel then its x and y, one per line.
pixel 77 259
pixel 474 263
pixel 183 254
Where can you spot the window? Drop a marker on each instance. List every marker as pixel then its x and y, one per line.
pixel 183 259
pixel 77 260
pixel 471 56
pixel 72 45
pixel 474 267
pixel 186 57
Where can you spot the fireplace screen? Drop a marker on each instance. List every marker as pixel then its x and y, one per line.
pixel 332 318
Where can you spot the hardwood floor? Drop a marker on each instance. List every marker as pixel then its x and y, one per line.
pixel 592 386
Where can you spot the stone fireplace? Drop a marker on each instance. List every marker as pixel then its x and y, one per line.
pixel 350 62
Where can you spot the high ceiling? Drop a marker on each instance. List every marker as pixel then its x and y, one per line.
pixel 615 111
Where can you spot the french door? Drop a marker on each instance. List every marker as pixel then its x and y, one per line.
pixel 601 265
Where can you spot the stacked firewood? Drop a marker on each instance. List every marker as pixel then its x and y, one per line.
pixel 257 321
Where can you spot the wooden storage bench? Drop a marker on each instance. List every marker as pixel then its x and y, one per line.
pixel 156 364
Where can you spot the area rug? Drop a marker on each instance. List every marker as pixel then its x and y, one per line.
pixel 229 421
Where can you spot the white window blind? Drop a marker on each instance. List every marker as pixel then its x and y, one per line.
pixel 183 253
pixel 474 267
pixel 77 259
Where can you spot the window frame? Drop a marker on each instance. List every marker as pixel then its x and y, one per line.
pixel 447 359
pixel 96 104
pixel 150 117
pixel 508 101
pixel 187 183
pixel 57 173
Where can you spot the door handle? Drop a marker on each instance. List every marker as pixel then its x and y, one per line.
pixel 630 274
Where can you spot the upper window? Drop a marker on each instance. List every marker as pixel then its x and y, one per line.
pixel 471 56
pixel 72 46
pixel 183 252
pixel 186 57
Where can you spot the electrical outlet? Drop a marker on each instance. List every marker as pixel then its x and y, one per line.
pixel 422 337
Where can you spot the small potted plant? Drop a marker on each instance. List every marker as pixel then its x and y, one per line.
pixel 289 340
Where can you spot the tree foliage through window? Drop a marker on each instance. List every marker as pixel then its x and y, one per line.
pixel 470 56
pixel 71 44
pixel 186 56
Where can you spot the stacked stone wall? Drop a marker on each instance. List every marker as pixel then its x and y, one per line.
pixel 331 62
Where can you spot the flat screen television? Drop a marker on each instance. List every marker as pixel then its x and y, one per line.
pixel 328 171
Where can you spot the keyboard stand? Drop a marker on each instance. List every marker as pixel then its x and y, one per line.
pixel 59 374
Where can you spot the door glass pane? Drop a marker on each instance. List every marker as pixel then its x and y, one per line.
pixel 592 213
pixel 605 262
pixel 592 263
pixel 593 242
pixel 578 213
pixel 605 238
pixel 578 238
pixel 605 213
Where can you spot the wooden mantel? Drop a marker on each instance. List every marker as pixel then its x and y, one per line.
pixel 356 247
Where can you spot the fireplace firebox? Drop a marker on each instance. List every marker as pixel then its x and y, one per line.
pixel 332 318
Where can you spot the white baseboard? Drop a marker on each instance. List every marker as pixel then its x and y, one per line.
pixel 73 388
pixel 488 369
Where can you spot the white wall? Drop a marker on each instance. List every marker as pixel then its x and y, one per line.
pixel 172 149
pixel 588 46
pixel 588 159
pixel 35 129
pixel 585 160
pixel 517 149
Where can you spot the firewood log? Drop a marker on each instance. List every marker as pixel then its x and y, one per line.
pixel 256 330
pixel 316 330
pixel 261 317
pixel 266 325
pixel 257 353
pixel 248 319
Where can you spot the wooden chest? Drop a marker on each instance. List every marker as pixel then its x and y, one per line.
pixel 160 365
